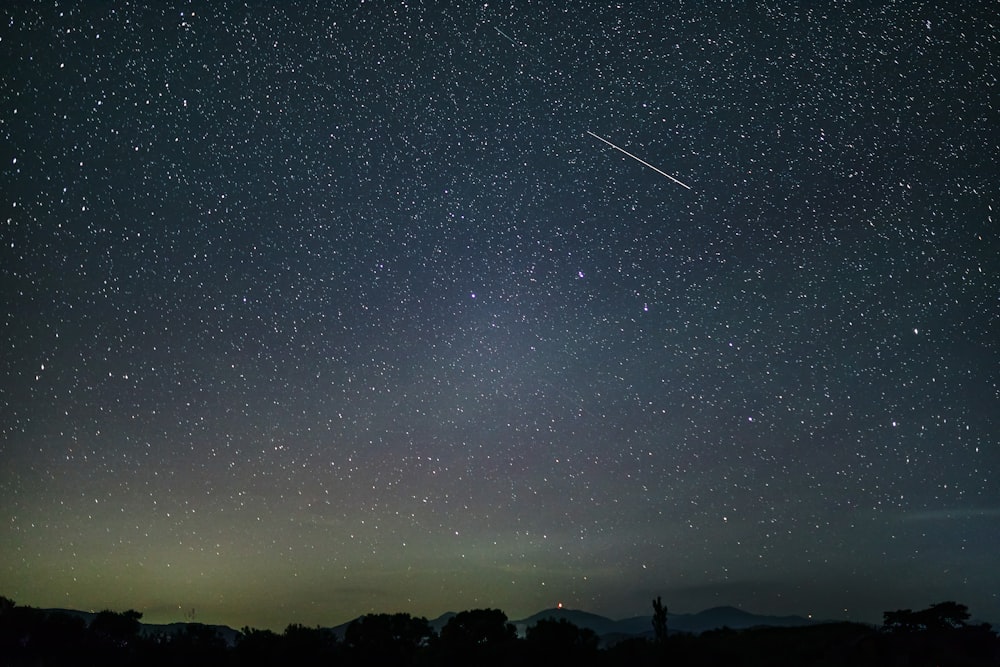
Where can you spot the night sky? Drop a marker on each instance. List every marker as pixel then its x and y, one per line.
pixel 315 311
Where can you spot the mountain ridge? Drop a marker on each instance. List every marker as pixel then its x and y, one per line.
pixel 635 626
pixel 640 626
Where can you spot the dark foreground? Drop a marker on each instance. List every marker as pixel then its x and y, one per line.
pixel 482 637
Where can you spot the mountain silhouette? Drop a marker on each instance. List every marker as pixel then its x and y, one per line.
pixel 436 624
pixel 581 619
pixel 642 626
pixel 608 629
pixel 731 617
pixel 936 635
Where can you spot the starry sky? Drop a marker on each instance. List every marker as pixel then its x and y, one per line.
pixel 323 309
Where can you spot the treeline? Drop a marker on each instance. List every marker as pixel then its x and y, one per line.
pixel 938 635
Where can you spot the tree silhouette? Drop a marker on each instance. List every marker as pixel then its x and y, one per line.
pixel 900 620
pixel 478 636
pixel 560 642
pixel 34 636
pixel 946 615
pixel 940 634
pixel 941 616
pixel 937 635
pixel 479 627
pixel 120 628
pixel 659 621
pixel 194 644
pixel 116 637
pixel 259 648
pixel 309 646
pixel 380 639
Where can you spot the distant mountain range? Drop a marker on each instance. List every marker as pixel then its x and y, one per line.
pixel 642 626
pixel 610 631
pixel 152 629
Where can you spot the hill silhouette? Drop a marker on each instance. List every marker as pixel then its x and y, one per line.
pixel 939 634
pixel 600 625
pixel 610 630
pixel 733 617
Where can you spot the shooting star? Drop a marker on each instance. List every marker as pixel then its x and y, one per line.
pixel 512 40
pixel 639 160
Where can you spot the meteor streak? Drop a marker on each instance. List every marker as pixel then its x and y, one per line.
pixel 639 160
pixel 512 40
